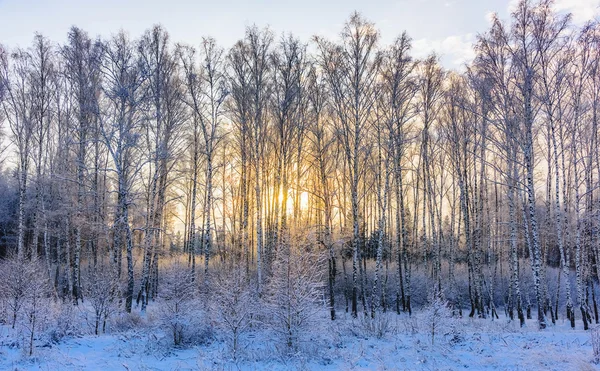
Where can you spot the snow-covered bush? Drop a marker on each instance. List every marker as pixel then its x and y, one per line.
pixel 15 285
pixel 123 321
pixel 177 306
pixel 293 294
pixel 232 304
pixel 378 326
pixel 100 291
pixel 410 324
pixel 67 322
pixel 437 316
pixel 26 291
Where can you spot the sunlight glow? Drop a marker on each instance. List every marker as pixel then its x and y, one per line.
pixel 304 201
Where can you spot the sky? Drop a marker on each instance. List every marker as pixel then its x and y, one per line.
pixel 448 27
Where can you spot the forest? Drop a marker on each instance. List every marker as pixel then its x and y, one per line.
pixel 282 179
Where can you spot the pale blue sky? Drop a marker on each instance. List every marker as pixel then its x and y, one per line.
pixel 447 26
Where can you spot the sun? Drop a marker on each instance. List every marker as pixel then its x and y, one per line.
pixel 304 201
pixel 289 206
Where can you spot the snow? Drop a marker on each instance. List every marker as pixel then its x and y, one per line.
pixel 346 344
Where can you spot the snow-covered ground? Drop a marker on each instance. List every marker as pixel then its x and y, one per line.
pixel 393 343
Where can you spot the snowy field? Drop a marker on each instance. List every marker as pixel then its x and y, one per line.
pixel 391 343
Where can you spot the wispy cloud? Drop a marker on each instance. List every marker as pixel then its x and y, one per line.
pixel 456 50
pixel 582 10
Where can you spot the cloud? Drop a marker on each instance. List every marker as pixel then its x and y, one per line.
pixel 455 50
pixel 582 10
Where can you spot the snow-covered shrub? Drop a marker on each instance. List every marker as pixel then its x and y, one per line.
pixel 377 327
pixel 124 321
pixel 66 322
pixel 437 316
pixel 232 304
pixel 454 331
pixel 38 322
pixel 26 289
pixel 410 324
pixel 293 294
pixel 100 291
pixel 177 306
pixel 14 288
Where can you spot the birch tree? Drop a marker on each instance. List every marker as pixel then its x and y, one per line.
pixel 164 116
pixel 82 61
pixel 121 132
pixel 322 144
pixel 287 94
pixel 207 91
pixel 351 68
pixel 18 108
pixel 398 92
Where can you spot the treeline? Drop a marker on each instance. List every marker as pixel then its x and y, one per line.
pixel 127 153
